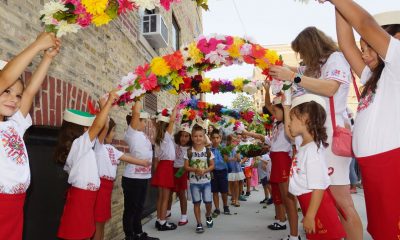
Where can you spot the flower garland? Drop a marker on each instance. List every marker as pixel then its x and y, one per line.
pixel 182 71
pixel 69 16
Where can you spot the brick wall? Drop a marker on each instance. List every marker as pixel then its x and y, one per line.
pixel 91 63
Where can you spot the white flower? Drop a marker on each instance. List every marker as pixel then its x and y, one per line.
pixel 147 4
pixel 259 84
pixel 137 93
pixel 276 86
pixel 64 27
pixel 245 50
pixel 250 88
pixel 188 60
pixel 218 56
pixel 50 9
pixel 128 80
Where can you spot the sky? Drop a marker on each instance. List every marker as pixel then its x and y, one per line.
pixel 271 22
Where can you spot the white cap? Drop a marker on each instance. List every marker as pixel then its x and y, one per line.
pixel 2 64
pixel 161 118
pixel 144 115
pixel 305 98
pixel 185 127
pixel 277 100
pixel 387 18
pixel 79 117
pixel 198 121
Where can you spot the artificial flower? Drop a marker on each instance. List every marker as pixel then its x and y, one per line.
pixel 64 27
pixel 187 84
pixel 173 91
pixel 195 53
pixel 250 88
pixel 227 86
pixel 205 85
pixel 128 79
pixel 202 105
pixel 176 80
pixel 148 83
pixel 218 56
pixel 166 3
pixel 257 51
pixel 215 86
pixel 246 49
pixel 95 7
pixel 125 6
pixel 261 63
pixel 276 86
pixel 53 7
pixel 272 56
pixel 175 61
pixel 165 112
pixel 160 67
pixel 147 4
pixel 207 46
pixel 101 19
pixel 137 93
pixel 238 84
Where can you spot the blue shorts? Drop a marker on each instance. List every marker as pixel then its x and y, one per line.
pixel 201 192
pixel 265 181
pixel 219 183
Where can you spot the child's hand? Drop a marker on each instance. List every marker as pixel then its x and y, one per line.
pixel 103 101
pixel 137 107
pixel 147 163
pixel 266 85
pixel 45 41
pixel 309 225
pixel 113 96
pixel 52 52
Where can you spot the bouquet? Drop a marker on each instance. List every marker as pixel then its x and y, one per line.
pixel 253 150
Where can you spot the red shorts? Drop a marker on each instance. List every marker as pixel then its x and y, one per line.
pixel 276 194
pixel 164 175
pixel 181 183
pixel 327 222
pixel 281 164
pixel 11 216
pixel 380 177
pixel 102 208
pixel 77 221
pixel 248 172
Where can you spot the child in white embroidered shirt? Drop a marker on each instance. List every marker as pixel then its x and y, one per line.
pixel 309 179
pixel 15 103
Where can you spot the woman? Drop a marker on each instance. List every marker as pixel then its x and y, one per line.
pixel 327 73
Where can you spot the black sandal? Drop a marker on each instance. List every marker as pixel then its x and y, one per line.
pixel 277 226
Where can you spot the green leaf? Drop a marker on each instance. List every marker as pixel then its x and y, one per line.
pixel 41 17
pixel 286 87
pixel 50 28
pixel 130 88
pixel 60 15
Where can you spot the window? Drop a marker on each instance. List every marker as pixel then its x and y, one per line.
pixel 175 34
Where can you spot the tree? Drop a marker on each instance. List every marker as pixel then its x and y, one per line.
pixel 242 102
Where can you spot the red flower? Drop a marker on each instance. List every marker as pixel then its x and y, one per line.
pixel 228 40
pixel 164 112
pixel 125 6
pixel 257 51
pixel 215 86
pixel 192 114
pixel 207 46
pixel 202 105
pixel 187 84
pixel 248 59
pixel 175 60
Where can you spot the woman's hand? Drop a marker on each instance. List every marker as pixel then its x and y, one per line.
pixel 52 52
pixel 281 73
pixel 45 41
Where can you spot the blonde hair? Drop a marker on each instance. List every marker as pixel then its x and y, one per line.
pixel 161 129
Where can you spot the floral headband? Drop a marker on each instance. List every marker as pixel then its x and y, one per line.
pixel 163 115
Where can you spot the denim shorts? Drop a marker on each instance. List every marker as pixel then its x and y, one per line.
pixel 201 192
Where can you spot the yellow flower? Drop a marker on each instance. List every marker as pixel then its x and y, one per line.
pixel 234 49
pixel 173 91
pixel 195 53
pixel 95 7
pixel 159 67
pixel 101 19
pixel 238 84
pixel 176 80
pixel 272 56
pixel 205 85
pixel 262 64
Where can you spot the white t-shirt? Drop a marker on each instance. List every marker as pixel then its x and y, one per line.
pixel 140 148
pixel 248 163
pixel 376 127
pixel 107 157
pixel 166 150
pixel 199 161
pixel 309 170
pixel 81 164
pixel 15 175
pixel 265 173
pixel 179 152
pixel 279 141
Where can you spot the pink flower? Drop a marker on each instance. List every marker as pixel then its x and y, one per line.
pixel 125 6
pixel 84 20
pixel 228 40
pixel 142 70
pixel 148 83
pixel 207 46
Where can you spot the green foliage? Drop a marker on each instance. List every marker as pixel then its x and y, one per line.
pixel 242 102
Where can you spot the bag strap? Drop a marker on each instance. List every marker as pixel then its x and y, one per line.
pixel 208 152
pixel 333 113
pixel 355 86
pixel 189 154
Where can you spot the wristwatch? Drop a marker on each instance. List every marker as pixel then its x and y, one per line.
pixel 297 79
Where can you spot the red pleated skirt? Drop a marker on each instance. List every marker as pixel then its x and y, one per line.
pixel 281 164
pixel 164 175
pixel 181 183
pixel 11 216
pixel 102 208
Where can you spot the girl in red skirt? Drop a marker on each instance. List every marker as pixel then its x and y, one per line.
pixel 376 144
pixel 108 158
pixel 77 137
pixel 182 142
pixel 164 176
pixel 309 179
pixel 15 103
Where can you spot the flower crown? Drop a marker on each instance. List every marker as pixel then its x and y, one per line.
pixel 163 115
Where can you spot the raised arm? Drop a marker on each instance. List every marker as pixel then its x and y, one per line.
pixel 17 65
pixel 103 133
pixel 254 135
pixel 347 44
pixel 170 128
pixel 286 112
pixel 136 115
pixel 37 78
pixel 268 103
pixel 364 24
pixel 130 159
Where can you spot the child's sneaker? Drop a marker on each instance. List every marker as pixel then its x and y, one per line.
pixel 242 198
pixel 216 213
pixel 210 222
pixel 199 228
pixel 292 238
pixel 277 226
pixel 264 201
pixel 270 201
pixel 226 210
pixel 167 227
pixel 247 194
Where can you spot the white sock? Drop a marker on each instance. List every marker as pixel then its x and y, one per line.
pixel 183 218
pixel 162 222
pixel 282 223
pixel 168 212
pixel 293 237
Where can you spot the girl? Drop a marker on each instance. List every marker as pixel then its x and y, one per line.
pixel 15 103
pixel 108 158
pixel 254 174
pixel 182 142
pixel 375 141
pixel 235 171
pixel 164 175
pixel 77 137
pixel 327 74
pixel 309 179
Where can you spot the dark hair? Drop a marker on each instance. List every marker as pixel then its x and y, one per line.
pixel 229 139
pixel 111 125
pixel 215 131
pixel 161 128
pixel 68 133
pixel 128 119
pixel 197 128
pixel 315 47
pixel 177 138
pixel 316 117
pixel 372 82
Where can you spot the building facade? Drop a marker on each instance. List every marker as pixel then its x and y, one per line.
pixel 91 63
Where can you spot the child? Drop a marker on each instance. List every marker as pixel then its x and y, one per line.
pixel 246 165
pixel 219 183
pixel 15 103
pixel 182 142
pixel 264 171
pixel 199 162
pixel 376 143
pixel 309 179
pixel 254 174
pixel 108 158
pixel 136 178
pixel 235 174
pixel 77 137
pixel 164 175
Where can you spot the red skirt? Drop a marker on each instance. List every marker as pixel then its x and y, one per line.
pixel 11 216
pixel 77 221
pixel 380 177
pixel 327 222
pixel 276 194
pixel 180 183
pixel 102 208
pixel 281 164
pixel 164 175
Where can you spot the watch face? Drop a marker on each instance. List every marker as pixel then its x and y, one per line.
pixel 297 80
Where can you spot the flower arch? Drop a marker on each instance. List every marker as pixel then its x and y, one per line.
pixel 182 71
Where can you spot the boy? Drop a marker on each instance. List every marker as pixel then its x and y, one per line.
pixel 199 162
pixel 264 171
pixel 219 183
